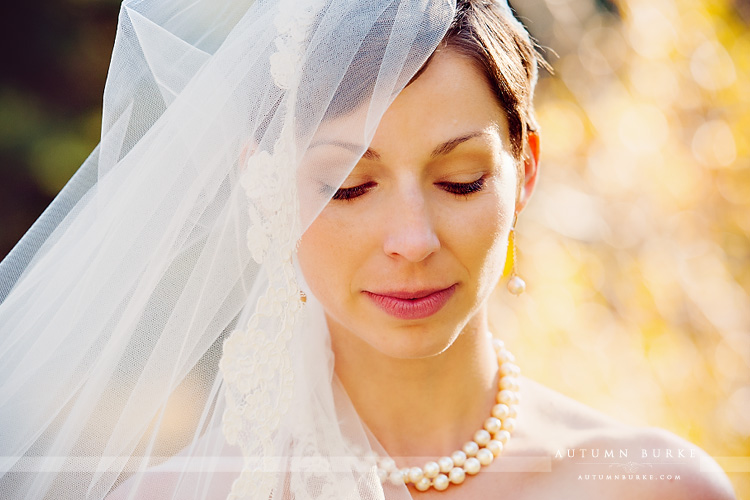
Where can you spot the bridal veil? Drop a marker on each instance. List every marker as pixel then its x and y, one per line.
pixel 156 340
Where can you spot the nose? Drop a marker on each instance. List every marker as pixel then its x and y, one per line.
pixel 411 231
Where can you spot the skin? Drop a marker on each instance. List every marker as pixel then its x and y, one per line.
pixel 408 379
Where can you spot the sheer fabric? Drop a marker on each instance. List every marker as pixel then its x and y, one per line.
pixel 153 340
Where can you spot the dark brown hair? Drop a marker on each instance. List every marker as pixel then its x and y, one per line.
pixel 504 51
pixel 482 30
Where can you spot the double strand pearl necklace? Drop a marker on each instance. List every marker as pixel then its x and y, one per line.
pixel 487 444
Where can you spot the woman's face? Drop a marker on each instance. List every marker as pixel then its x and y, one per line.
pixel 408 250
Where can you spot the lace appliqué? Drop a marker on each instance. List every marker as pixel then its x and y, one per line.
pixel 318 474
pixel 255 364
pixel 293 23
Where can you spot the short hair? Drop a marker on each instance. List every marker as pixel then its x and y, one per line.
pixel 482 30
pixel 506 55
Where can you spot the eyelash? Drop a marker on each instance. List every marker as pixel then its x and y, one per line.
pixel 353 192
pixel 463 189
pixel 458 188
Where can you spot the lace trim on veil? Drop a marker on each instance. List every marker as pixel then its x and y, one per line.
pixel 256 363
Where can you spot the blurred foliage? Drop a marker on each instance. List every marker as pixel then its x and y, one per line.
pixel 55 60
pixel 636 246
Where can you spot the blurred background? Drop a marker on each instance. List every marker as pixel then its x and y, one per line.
pixel 635 247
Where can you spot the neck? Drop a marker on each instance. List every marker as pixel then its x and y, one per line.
pixel 426 407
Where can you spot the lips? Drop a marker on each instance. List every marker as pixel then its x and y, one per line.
pixel 412 304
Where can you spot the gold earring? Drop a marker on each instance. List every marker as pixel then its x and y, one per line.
pixel 516 285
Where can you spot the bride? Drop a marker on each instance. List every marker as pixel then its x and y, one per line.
pixel 271 280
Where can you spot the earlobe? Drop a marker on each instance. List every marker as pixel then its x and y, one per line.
pixel 531 153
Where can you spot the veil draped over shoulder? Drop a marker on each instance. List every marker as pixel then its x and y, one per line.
pixel 153 340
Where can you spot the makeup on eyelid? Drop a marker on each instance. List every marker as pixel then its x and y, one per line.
pixel 472 145
pixel 457 188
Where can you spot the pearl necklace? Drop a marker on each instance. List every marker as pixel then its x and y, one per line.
pixel 487 444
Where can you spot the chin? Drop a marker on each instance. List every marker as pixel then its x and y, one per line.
pixel 416 341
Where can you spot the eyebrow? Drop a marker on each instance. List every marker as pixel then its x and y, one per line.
pixel 448 146
pixel 370 154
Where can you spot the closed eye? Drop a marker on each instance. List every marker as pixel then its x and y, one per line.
pixel 463 188
pixel 457 188
pixel 353 192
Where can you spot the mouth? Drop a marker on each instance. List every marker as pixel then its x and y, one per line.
pixel 412 304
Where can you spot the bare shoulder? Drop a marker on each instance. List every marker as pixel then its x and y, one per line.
pixel 700 476
pixel 602 457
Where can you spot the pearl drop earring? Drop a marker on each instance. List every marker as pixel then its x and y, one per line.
pixel 516 285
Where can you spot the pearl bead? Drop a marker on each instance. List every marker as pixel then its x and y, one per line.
pixel 405 474
pixel 497 344
pixel 500 411
pixel 488 442
pixel 441 482
pixel 505 356
pixel 472 466
pixel 485 456
pixel 396 477
pixel 382 475
pixel 506 397
pixel 446 464
pixel 423 484
pixel 457 475
pixel 496 447
pixel 471 448
pixel 482 437
pixel 388 464
pixel 431 470
pixel 507 368
pixel 508 382
pixel 459 458
pixel 415 474
pixel 513 411
pixel 503 436
pixel 492 425
pixel 516 285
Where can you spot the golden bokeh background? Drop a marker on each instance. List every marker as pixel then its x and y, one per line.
pixel 635 247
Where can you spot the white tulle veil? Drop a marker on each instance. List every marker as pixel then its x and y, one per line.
pixel 154 342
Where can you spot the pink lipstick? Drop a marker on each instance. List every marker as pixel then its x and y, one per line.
pixel 416 304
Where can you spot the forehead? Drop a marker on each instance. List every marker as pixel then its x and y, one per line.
pixel 450 98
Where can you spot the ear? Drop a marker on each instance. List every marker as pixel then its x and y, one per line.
pixel 530 169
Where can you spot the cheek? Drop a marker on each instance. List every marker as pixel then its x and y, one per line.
pixel 482 238
pixel 314 254
pixel 327 255
pixel 491 250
